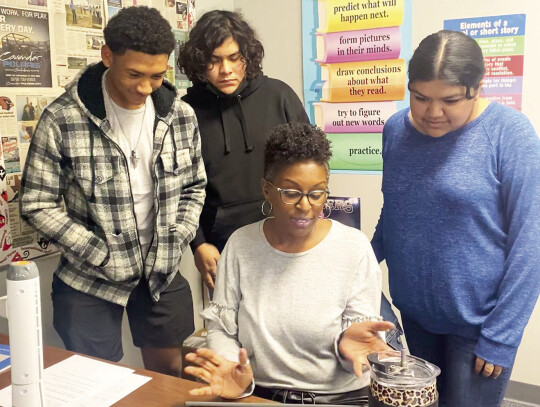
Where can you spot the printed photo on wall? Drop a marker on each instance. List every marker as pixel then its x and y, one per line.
pixel 77 62
pixel 112 11
pixel 10 151
pixel 25 133
pixel 6 103
pixel 94 42
pixel 84 13
pixel 26 109
pixel 13 183
pixel 181 15
pixel 30 108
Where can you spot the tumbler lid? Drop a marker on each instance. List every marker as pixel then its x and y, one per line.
pixel 402 369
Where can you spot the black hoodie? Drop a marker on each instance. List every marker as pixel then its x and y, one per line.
pixel 233 132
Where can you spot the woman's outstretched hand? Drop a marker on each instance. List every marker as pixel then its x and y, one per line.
pixel 361 339
pixel 225 378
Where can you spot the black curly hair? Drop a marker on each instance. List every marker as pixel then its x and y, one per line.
pixel 291 143
pixel 449 56
pixel 210 31
pixel 139 28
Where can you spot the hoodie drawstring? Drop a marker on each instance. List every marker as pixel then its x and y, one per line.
pixel 92 162
pixel 247 140
pixel 176 166
pixel 226 137
pixel 224 106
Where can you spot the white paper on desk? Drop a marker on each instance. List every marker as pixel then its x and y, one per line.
pixel 78 379
pixel 116 392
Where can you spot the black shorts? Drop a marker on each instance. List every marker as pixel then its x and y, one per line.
pixel 93 326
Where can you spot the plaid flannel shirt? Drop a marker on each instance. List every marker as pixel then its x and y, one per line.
pixel 73 159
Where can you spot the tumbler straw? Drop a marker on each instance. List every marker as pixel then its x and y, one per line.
pixel 403 357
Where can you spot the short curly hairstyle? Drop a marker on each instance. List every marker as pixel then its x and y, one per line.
pixel 139 28
pixel 291 143
pixel 210 31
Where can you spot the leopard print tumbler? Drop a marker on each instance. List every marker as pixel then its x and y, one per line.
pixel 383 396
pixel 400 380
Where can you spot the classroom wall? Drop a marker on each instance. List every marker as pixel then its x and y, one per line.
pixel 206 5
pixel 278 24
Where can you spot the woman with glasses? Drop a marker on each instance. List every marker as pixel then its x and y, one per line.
pixel 296 294
pixel 236 105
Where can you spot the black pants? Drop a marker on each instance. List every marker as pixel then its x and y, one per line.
pixel 356 397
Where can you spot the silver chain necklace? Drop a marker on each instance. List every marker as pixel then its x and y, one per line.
pixel 133 155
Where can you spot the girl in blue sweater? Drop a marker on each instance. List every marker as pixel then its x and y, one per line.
pixel 460 225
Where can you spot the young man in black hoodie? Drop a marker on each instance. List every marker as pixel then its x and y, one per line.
pixel 236 105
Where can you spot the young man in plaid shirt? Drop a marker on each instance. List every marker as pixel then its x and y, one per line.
pixel 122 152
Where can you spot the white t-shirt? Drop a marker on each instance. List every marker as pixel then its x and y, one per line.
pixel 287 309
pixel 129 123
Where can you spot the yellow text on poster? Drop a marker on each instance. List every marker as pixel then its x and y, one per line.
pixel 346 15
pixel 366 81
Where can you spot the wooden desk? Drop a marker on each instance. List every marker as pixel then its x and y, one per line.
pixel 161 391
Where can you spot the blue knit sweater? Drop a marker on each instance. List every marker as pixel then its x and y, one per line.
pixel 460 227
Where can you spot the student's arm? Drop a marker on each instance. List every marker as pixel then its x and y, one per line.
pixel 206 256
pixel 519 169
pixel 194 182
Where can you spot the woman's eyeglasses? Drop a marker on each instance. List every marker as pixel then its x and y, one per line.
pixel 294 196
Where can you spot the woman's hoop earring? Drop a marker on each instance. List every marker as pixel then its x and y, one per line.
pixel 269 211
pixel 325 215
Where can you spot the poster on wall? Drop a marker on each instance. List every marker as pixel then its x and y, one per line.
pixel 502 39
pixel 355 74
pixel 25 57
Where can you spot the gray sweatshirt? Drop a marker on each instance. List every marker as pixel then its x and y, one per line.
pixel 288 309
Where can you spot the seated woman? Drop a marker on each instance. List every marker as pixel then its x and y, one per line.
pixel 296 295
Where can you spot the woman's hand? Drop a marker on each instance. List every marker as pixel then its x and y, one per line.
pixel 361 339
pixel 206 257
pixel 225 378
pixel 487 369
